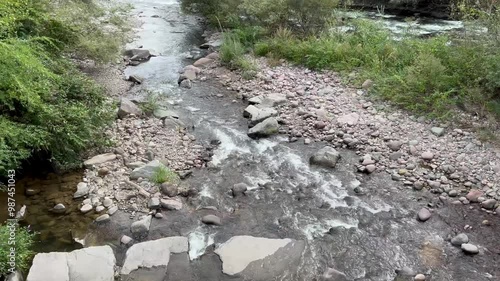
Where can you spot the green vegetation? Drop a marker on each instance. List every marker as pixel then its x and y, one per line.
pixel 46 104
pixel 164 174
pixel 232 54
pixel 24 239
pixel 431 76
pixel 152 102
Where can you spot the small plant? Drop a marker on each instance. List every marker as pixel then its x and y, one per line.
pixel 163 174
pixel 24 240
pixel 151 102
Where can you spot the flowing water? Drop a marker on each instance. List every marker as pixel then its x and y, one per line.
pixel 368 236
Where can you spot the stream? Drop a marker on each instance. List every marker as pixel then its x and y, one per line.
pixel 361 225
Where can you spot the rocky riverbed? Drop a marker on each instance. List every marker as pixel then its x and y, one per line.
pixel 289 176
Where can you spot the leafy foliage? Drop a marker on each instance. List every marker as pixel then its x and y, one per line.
pixel 46 104
pixel 24 239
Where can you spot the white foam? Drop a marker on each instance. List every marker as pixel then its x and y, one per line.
pixel 205 192
pixel 198 242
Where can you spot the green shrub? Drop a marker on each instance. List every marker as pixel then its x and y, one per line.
pixel 163 174
pixel 46 105
pixel 24 240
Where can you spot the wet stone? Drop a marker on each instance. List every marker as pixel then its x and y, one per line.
pixel 424 214
pixel 86 208
pixel 460 239
pixel 470 249
pixel 112 210
pixel 99 209
pixel 102 218
pixel 239 189
pixel 211 219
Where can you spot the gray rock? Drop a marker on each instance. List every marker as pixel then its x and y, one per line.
pixel 171 204
pixel 82 189
pixel 59 209
pixel 202 62
pixel 135 79
pixel 437 131
pixel 135 165
pixel 259 259
pixel 427 155
pixel 173 123
pixel 351 119
pixel 126 240
pixel 154 253
pixel 141 226
pixel 154 203
pixel 239 189
pixel 325 157
pixel 211 219
pixel 188 74
pixel 460 239
pixel 112 210
pixel 474 195
pixel 102 172
pixel 489 204
pixel 99 209
pixel 171 190
pixel 424 214
pixel 21 214
pixel 186 83
pixel 255 100
pixel 370 168
pixel 395 145
pixel 419 277
pixel 137 54
pixel 99 159
pixel 86 208
pixel 273 99
pixel 127 107
pixel 107 202
pixel 102 218
pixel 147 171
pixel 159 215
pixel 259 114
pixel 265 128
pixel 453 193
pixel 74 266
pixel 470 249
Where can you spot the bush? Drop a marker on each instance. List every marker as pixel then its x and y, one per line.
pixel 307 16
pixel 46 105
pixel 24 240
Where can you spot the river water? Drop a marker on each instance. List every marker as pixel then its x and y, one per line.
pixel 367 236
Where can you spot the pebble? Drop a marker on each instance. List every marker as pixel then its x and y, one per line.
pixel 211 219
pixel 126 240
pixel 159 215
pixel 107 202
pixel 470 249
pixel 154 203
pixel 460 239
pixel 427 155
pixel 489 204
pixel 112 210
pixel 102 218
pixel 239 189
pixel 86 208
pixel 419 277
pixel 99 209
pixel 424 214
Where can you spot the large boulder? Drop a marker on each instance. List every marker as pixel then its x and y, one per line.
pixel 153 253
pixel 259 259
pixel 325 157
pixel 137 54
pixel 259 114
pixel 93 263
pixel 265 128
pixel 147 171
pixel 127 107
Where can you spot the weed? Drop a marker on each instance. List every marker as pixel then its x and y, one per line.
pixel 163 174
pixel 24 239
